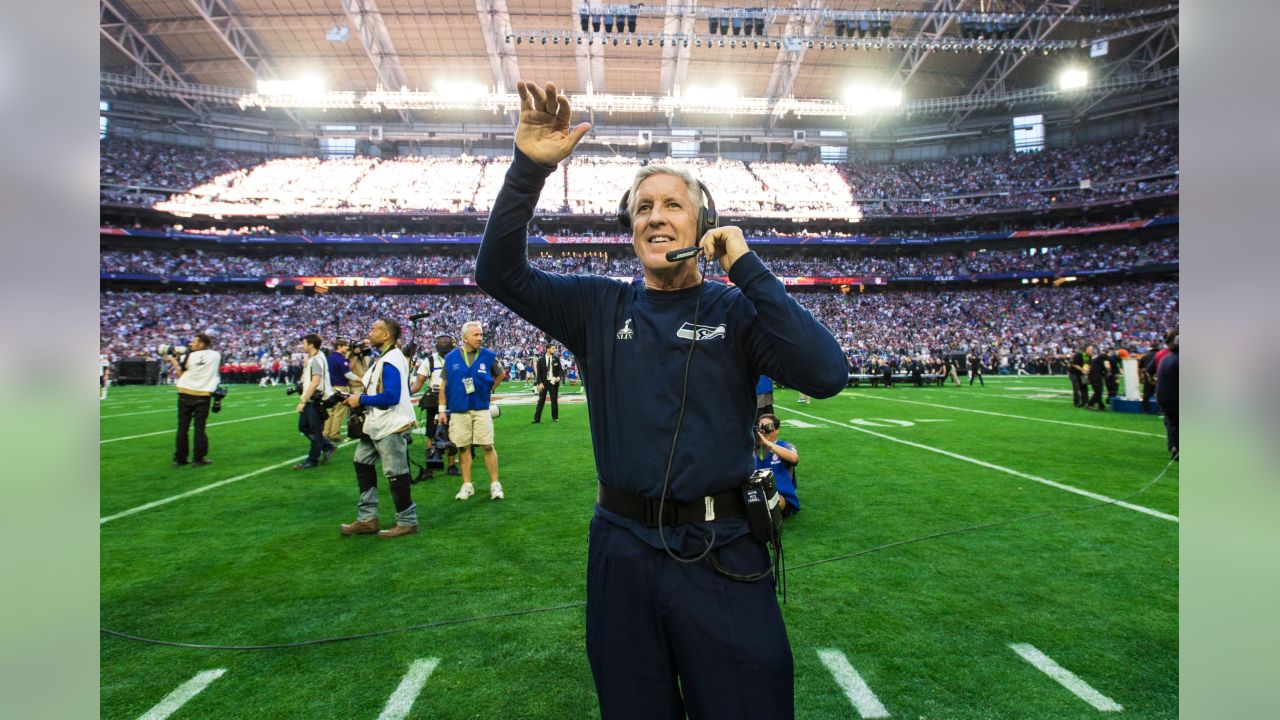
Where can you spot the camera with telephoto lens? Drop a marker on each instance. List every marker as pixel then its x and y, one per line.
pixel 440 448
pixel 167 349
pixel 764 517
pixel 294 389
pixel 217 395
pixel 332 401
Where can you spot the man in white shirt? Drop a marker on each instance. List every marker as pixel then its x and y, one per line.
pixel 389 421
pixel 429 373
pixel 198 377
pixel 315 387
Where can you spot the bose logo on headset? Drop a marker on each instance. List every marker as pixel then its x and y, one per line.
pixel 707 216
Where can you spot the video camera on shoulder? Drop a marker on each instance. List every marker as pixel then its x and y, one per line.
pixel 166 349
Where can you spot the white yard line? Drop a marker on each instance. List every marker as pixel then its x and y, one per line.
pixel 855 688
pixel 1061 395
pixel 176 699
pixel 991 466
pixel 173 431
pixel 401 701
pixel 1005 415
pixel 206 488
pixel 170 409
pixel 1066 678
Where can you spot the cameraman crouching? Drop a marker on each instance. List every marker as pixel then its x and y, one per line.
pixel 315 387
pixel 387 426
pixel 197 379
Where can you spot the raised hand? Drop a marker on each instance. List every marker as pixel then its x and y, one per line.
pixel 543 132
pixel 725 244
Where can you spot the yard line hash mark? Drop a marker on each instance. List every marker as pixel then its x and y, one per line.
pixel 179 697
pixel 855 688
pixel 401 701
pixel 1066 678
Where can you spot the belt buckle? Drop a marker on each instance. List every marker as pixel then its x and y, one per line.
pixel 650 512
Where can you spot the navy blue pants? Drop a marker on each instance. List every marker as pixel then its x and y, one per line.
pixel 666 638
pixel 311 424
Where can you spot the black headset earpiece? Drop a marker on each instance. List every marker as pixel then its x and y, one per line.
pixel 707 216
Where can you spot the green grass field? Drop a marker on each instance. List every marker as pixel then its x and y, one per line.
pixel 927 626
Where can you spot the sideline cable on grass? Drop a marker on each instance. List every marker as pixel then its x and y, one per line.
pixel 575 605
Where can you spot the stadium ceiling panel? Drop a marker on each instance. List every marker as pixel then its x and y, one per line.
pixel 355 45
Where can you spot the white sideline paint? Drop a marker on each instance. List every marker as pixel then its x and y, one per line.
pixel 172 431
pixel 168 397
pixel 999 468
pixel 855 688
pixel 170 409
pixel 401 700
pixel 800 425
pixel 206 488
pixel 1066 678
pixel 1038 398
pixel 1007 415
pixel 179 697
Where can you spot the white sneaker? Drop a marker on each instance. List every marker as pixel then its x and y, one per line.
pixel 467 491
pixel 495 491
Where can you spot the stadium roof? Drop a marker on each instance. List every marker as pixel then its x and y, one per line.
pixel 357 45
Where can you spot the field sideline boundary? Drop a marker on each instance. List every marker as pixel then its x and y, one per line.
pixel 991 466
pixel 1005 415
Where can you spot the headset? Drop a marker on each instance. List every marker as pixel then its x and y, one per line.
pixel 707 216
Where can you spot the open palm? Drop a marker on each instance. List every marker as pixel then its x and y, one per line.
pixel 543 132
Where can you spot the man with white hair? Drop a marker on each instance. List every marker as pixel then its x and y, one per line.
pixel 681 613
pixel 471 373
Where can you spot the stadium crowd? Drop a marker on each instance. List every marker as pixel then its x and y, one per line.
pixel 1021 323
pixel 232 184
pixel 624 263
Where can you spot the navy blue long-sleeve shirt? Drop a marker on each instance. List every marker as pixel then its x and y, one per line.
pixel 390 395
pixel 631 343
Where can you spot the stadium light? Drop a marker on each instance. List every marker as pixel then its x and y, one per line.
pixel 303 87
pixel 1073 79
pixel 861 98
pixel 460 90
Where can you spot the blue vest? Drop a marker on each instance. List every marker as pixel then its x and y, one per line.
pixel 481 373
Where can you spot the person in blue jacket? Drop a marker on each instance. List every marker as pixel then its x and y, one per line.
pixel 781 457
pixel 470 375
pixel 681 613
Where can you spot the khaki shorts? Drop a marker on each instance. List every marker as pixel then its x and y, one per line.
pixel 474 427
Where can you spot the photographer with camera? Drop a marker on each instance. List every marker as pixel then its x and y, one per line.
pixel 314 387
pixel 340 373
pixel 429 373
pixel 389 421
pixel 198 380
pixel 779 456
pixel 470 375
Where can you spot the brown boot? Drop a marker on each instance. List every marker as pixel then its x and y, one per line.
pixel 360 527
pixel 399 530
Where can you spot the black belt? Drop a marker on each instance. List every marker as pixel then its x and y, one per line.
pixel 722 505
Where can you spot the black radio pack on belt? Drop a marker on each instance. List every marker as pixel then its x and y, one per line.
pixel 760 495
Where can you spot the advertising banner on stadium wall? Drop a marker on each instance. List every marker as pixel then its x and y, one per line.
pixel 397 239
